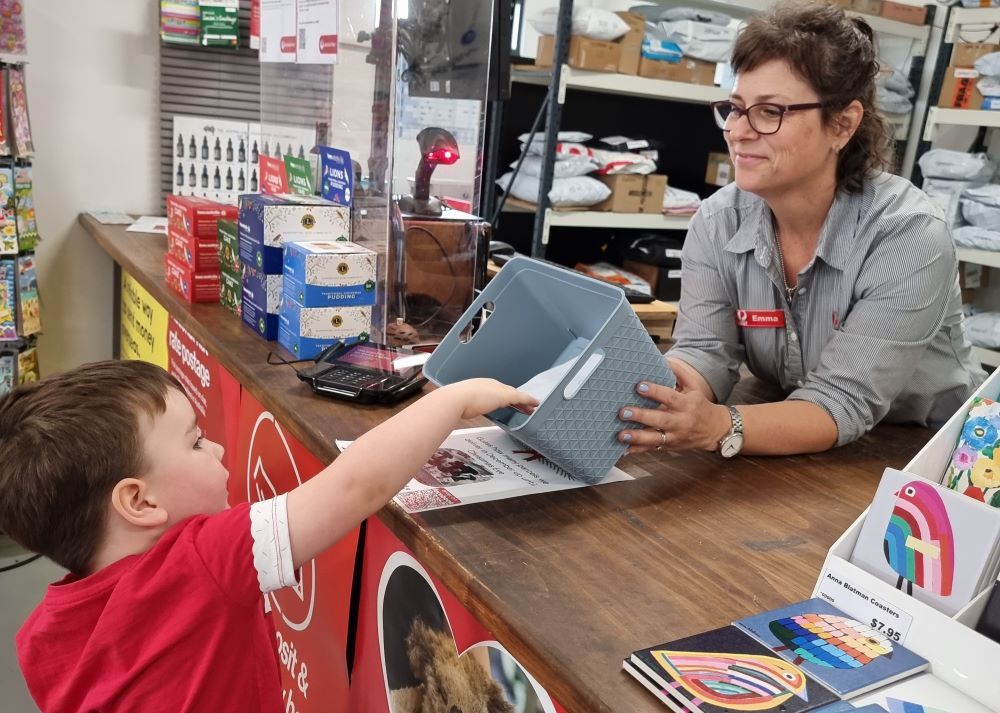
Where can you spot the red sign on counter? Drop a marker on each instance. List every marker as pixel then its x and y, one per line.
pixel 418 648
pixel 311 619
pixel 213 391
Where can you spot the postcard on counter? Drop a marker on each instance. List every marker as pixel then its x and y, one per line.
pixel 725 670
pixel 847 656
pixel 148 224
pixel 477 465
pixel 111 217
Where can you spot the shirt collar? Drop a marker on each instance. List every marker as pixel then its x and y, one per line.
pixel 756 231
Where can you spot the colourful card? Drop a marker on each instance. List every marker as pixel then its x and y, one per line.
pixel 29 310
pixel 8 300
pixel 27 366
pixel 24 209
pixel 975 464
pixel 8 367
pixel 727 670
pixel 931 542
pixel 17 98
pixel 847 656
pixel 8 214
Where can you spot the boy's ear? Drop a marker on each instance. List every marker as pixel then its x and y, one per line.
pixel 132 500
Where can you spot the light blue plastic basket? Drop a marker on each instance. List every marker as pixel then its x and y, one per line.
pixel 535 311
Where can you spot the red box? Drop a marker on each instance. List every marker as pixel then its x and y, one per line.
pixel 198 254
pixel 197 216
pixel 192 286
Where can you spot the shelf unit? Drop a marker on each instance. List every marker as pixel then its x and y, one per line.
pixel 979 24
pixel 979 257
pixel 604 219
pixel 563 77
pixel 989 357
pixel 936 117
pixel 612 83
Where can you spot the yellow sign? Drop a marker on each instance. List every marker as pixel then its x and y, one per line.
pixel 144 324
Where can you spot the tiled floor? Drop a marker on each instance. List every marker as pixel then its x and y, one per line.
pixel 20 590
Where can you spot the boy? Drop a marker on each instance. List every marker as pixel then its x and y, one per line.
pixel 104 470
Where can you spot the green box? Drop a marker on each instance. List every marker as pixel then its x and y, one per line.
pixel 229 247
pixel 232 293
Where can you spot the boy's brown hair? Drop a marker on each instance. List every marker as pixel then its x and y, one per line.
pixel 64 443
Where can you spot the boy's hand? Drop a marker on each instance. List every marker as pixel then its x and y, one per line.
pixel 481 396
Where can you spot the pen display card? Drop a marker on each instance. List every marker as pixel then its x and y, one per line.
pixel 931 542
pixel 847 656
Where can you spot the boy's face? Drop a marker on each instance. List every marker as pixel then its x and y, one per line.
pixel 185 470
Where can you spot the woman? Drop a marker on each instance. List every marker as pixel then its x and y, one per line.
pixel 822 273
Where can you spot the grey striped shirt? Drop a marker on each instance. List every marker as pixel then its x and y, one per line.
pixel 875 329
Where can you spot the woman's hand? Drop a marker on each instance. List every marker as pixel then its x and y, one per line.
pixel 684 420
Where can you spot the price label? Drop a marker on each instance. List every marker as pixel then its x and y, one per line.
pixel 883 616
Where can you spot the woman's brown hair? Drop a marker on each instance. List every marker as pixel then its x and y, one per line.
pixel 835 54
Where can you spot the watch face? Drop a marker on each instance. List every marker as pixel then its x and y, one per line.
pixel 731 445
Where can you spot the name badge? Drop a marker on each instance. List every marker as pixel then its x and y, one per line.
pixel 768 318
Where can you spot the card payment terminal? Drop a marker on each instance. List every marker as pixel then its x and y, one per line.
pixel 367 373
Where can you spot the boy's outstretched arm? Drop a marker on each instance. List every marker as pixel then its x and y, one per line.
pixel 369 473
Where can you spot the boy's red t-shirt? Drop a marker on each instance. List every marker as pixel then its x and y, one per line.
pixel 180 627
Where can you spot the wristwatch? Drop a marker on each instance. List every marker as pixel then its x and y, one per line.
pixel 732 442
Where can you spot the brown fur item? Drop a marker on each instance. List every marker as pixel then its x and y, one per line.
pixel 451 684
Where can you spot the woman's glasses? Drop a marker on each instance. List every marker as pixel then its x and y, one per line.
pixel 764 118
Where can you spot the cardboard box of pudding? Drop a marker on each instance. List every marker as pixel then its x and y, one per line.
pixel 631 193
pixel 324 274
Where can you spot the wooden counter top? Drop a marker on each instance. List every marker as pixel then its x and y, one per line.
pixel 571 582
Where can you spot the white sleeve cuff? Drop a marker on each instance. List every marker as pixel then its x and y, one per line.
pixel 272 548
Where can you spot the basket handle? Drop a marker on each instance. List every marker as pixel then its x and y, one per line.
pixel 583 372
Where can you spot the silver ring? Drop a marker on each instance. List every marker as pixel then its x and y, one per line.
pixel 663 439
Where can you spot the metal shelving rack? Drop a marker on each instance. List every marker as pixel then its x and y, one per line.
pixel 563 77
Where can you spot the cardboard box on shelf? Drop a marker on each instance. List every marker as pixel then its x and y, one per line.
pixel 631 43
pixel 972 276
pixel 631 193
pixel 693 71
pixel 868 7
pixel 958 91
pixel 965 54
pixel 720 171
pixel 583 53
pixel 665 282
pixel 910 14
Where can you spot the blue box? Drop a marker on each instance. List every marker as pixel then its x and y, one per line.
pixel 255 312
pixel 991 103
pixel 304 347
pixel 330 274
pixel 267 221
